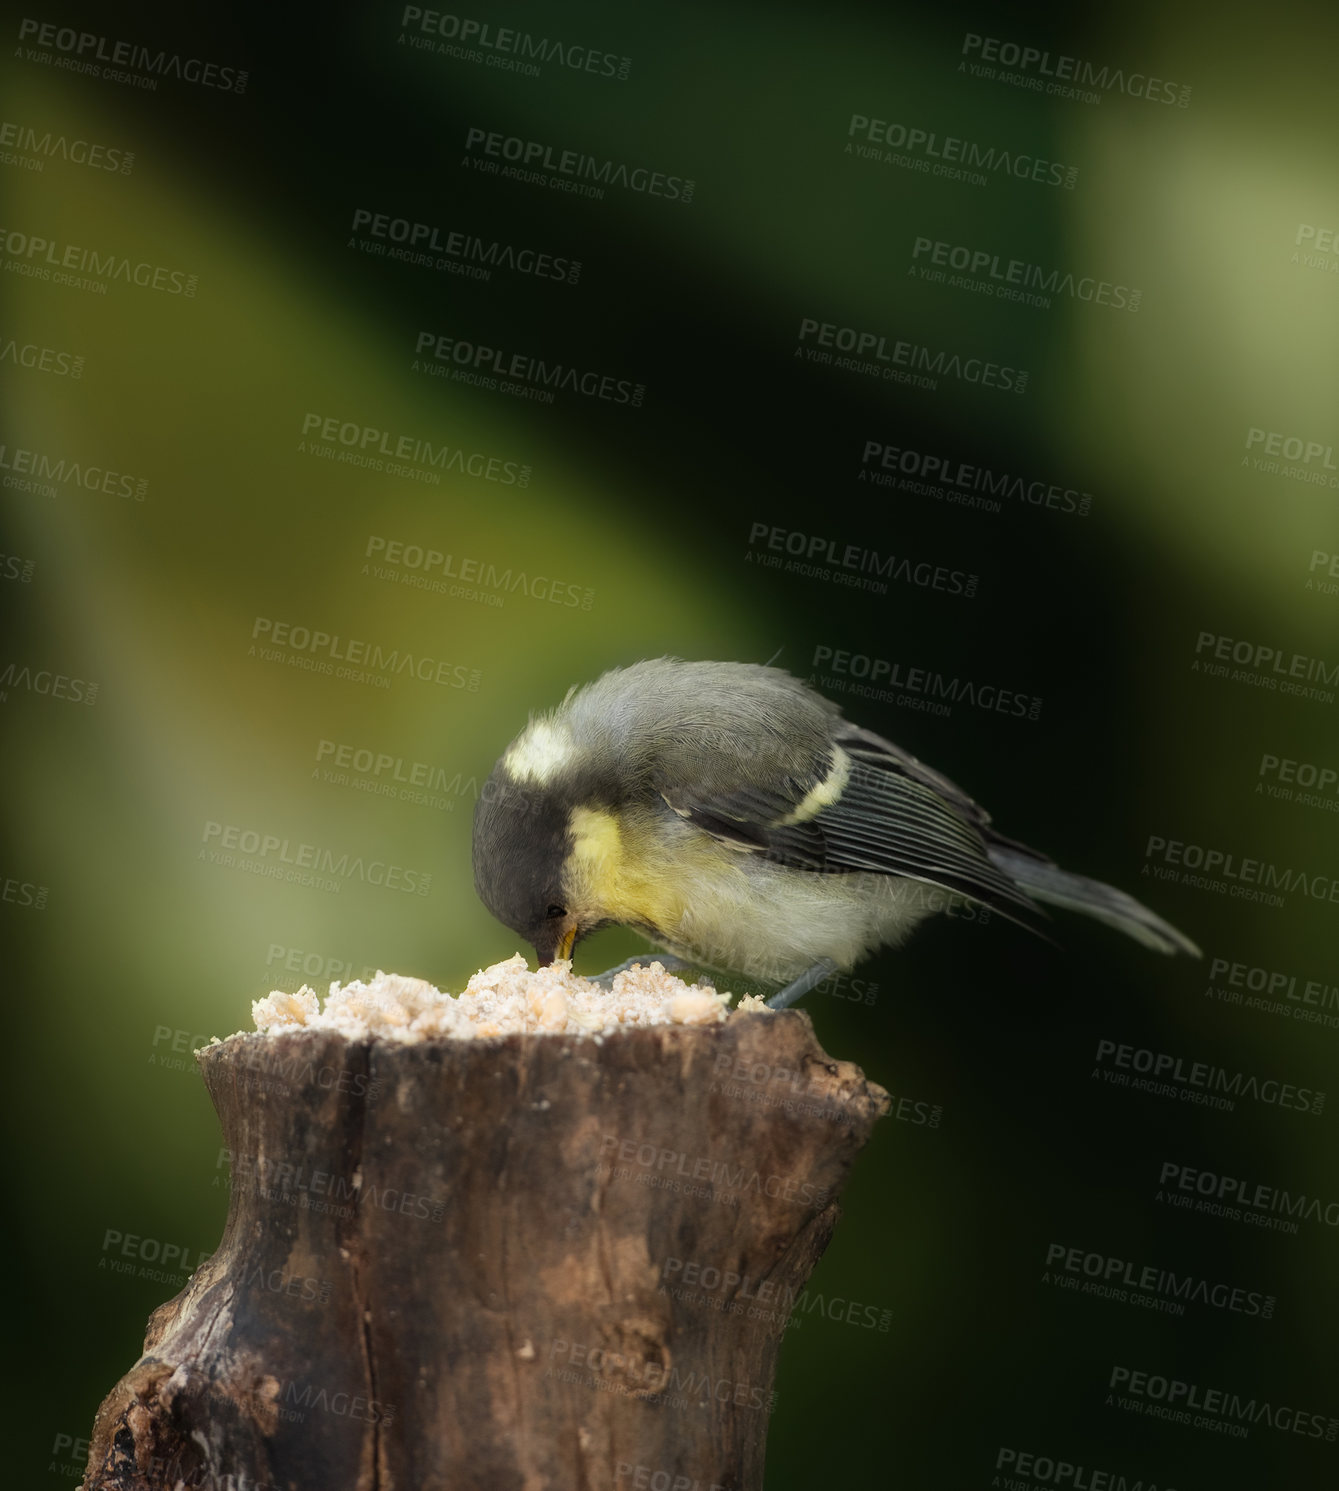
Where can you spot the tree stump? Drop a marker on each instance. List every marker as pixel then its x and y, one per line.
pixel 535 1262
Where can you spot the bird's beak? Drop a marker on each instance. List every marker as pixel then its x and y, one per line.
pixel 562 947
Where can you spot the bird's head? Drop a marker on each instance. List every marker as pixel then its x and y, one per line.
pixel 535 867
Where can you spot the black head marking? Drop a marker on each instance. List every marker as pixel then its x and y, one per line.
pixel 521 841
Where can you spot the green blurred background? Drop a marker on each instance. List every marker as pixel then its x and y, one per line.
pixel 144 946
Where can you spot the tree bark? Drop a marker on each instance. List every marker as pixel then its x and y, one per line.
pixel 537 1262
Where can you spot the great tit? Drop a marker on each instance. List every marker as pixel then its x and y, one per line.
pixel 729 813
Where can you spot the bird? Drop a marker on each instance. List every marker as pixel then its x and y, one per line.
pixel 733 816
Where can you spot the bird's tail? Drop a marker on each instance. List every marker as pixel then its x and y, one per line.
pixel 1047 882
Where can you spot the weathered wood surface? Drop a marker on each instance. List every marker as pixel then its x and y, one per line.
pixel 538 1263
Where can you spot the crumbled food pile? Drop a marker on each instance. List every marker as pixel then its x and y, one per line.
pixel 502 1000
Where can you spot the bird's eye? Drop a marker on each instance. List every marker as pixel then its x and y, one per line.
pixel 556 911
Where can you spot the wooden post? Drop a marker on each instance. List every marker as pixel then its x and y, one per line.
pixel 530 1262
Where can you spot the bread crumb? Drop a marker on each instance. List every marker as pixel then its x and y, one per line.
pixel 752 1002
pixel 697 1007
pixel 280 1011
pixel 502 1000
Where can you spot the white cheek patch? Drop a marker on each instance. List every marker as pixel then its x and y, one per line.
pixel 539 753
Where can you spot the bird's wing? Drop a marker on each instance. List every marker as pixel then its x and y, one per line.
pixel 867 745
pixel 859 804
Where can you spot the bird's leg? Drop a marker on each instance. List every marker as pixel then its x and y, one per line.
pixel 799 987
pixel 667 961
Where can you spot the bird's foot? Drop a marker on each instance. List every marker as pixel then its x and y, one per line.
pixel 667 961
pixel 799 987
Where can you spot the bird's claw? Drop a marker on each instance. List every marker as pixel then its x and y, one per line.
pixel 799 987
